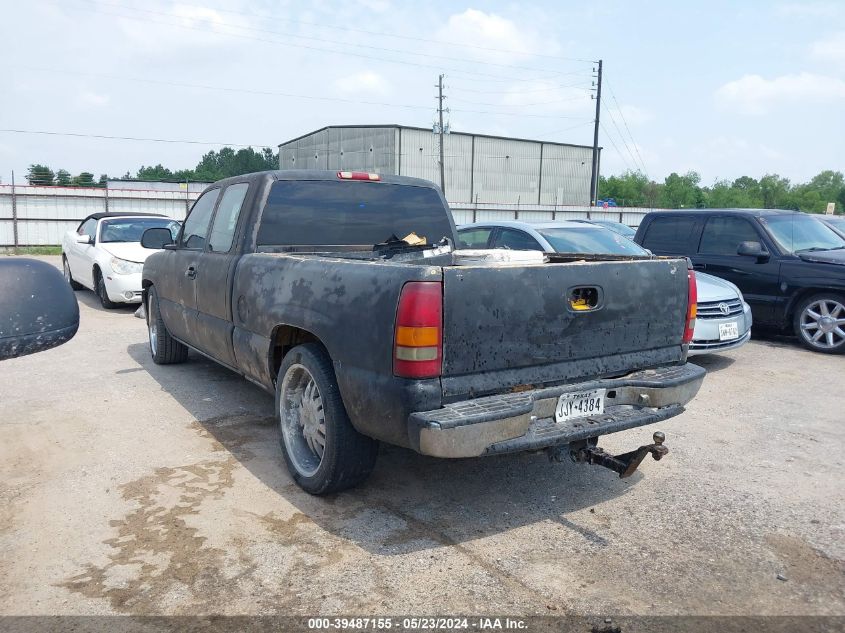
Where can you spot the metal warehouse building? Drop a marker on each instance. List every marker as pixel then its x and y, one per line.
pixel 479 168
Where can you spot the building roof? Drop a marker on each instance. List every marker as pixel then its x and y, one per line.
pixel 424 129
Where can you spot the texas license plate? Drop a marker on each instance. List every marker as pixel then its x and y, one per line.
pixel 728 331
pixel 579 405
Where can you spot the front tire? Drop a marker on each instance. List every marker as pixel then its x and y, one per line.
pixel 819 323
pixel 100 289
pixel 68 276
pixel 165 349
pixel 323 451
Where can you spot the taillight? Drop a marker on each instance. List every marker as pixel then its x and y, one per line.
pixel 357 175
pixel 418 339
pixel 692 306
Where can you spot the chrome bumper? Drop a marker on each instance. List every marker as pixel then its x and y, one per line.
pixel 522 421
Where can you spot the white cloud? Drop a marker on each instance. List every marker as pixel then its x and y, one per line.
pixel 88 99
pixel 474 28
pixel 753 94
pixel 379 6
pixel 830 49
pixel 363 83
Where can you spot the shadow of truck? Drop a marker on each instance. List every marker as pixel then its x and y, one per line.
pixel 411 502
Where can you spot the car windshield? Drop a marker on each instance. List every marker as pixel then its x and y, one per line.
pixel 801 233
pixel 594 240
pixel 617 227
pixel 131 229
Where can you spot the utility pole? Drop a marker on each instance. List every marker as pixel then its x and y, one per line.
pixel 594 175
pixel 440 131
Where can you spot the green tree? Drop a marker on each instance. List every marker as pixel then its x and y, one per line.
pixel 775 191
pixel 63 178
pixel 104 179
pixel 159 172
pixel 682 192
pixel 40 175
pixel 85 179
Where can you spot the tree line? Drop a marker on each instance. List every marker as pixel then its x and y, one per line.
pixel 630 189
pixel 212 166
pixel 634 189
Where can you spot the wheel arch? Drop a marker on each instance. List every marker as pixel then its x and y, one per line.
pixel 284 338
pixel 798 297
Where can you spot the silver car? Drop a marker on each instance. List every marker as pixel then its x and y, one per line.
pixel 724 319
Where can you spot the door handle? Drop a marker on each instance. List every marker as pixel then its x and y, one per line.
pixel 191 273
pixel 699 266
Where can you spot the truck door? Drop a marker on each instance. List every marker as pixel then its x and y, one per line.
pixel 756 277
pixel 177 290
pixel 215 270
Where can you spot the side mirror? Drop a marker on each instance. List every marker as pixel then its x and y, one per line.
pixel 38 308
pixel 84 239
pixel 751 249
pixel 156 238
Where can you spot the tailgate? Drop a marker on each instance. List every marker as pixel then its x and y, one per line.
pixel 507 326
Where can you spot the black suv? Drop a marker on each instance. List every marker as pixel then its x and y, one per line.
pixel 789 265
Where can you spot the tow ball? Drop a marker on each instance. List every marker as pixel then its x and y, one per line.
pixel 586 452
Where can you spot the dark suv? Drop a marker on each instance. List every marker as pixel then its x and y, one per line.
pixel 790 266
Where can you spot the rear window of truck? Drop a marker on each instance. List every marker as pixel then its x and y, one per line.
pixel 324 212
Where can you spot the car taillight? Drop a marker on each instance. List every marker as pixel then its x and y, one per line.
pixel 418 338
pixel 357 175
pixel 692 306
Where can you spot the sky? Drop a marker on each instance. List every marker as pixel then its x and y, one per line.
pixel 723 88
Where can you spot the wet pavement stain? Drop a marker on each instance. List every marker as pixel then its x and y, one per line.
pixel 155 550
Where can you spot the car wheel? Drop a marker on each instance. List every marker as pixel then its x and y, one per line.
pixel 165 349
pixel 323 451
pixel 819 323
pixel 68 275
pixel 100 289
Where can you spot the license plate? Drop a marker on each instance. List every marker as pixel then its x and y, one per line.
pixel 728 331
pixel 579 405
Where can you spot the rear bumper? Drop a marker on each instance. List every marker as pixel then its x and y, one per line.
pixel 525 421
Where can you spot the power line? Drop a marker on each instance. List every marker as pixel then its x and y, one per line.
pixel 294 35
pixel 132 138
pixel 384 34
pixel 612 142
pixel 576 86
pixel 622 137
pixel 276 93
pixel 633 142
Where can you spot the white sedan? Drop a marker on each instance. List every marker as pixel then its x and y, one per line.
pixel 105 254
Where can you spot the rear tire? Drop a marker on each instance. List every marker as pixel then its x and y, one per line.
pixel 819 323
pixel 100 289
pixel 68 276
pixel 323 451
pixel 165 349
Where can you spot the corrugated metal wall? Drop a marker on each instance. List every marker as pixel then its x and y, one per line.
pixel 46 213
pixel 478 168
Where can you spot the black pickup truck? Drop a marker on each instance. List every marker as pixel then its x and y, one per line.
pixel 340 293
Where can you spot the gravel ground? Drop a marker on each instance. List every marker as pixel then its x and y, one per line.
pixel 129 488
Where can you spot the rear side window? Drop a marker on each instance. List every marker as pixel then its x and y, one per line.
pixel 474 238
pixel 722 235
pixel 669 234
pixel 317 212
pixel 195 228
pixel 516 241
pixel 226 218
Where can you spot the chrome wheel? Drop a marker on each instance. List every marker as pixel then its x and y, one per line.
pixel 822 324
pixel 303 420
pixel 152 326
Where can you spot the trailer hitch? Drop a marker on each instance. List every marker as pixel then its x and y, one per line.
pixel 586 452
